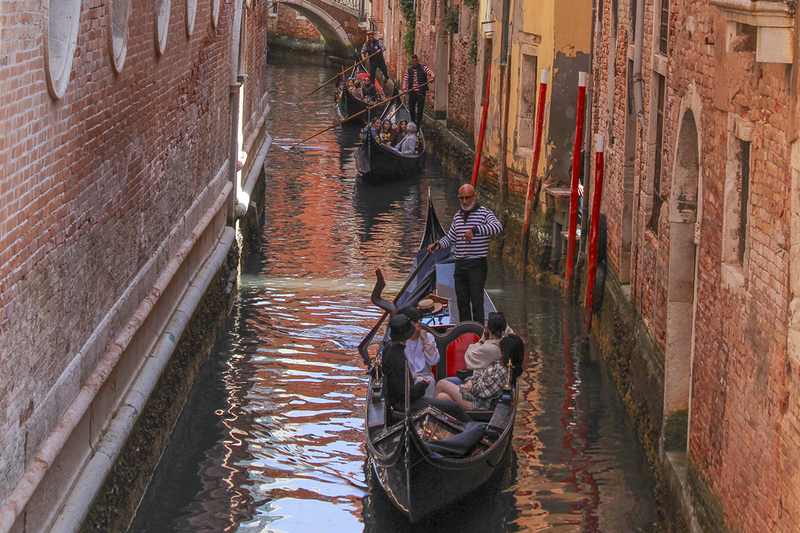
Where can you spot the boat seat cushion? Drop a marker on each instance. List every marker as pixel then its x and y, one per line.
pixel 456 351
pixel 461 444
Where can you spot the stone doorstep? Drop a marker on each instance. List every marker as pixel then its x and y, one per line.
pixel 674 466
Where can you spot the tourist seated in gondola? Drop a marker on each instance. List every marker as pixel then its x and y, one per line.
pixel 482 391
pixel 483 353
pixel 368 91
pixel 421 351
pixel 356 90
pixel 402 130
pixel 388 136
pixel 374 129
pixel 409 143
pixel 393 362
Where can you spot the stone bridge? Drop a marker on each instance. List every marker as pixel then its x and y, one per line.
pixel 338 21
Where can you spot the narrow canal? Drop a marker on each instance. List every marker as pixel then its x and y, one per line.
pixel 272 438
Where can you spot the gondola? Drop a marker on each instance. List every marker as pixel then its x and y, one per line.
pixel 376 162
pixel 348 105
pixel 426 460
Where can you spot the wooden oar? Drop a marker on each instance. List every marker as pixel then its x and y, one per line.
pixel 357 114
pixel 333 78
pixel 362 348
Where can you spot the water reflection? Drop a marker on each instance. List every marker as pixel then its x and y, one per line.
pixel 272 437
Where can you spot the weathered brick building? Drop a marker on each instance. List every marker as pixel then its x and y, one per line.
pixel 443 38
pixel 119 120
pixel 699 105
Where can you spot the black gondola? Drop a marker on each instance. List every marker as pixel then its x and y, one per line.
pixel 348 105
pixel 405 450
pixel 376 162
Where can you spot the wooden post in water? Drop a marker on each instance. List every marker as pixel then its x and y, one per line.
pixel 482 132
pixel 534 178
pixel 594 233
pixel 576 168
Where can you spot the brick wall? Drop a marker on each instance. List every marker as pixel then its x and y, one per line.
pixel 288 22
pixel 92 184
pixel 744 418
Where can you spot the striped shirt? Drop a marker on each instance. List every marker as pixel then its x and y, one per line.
pixel 370 49
pixel 483 224
pixel 415 81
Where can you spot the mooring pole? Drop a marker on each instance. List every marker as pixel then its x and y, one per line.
pixel 533 179
pixel 479 150
pixel 576 168
pixel 594 233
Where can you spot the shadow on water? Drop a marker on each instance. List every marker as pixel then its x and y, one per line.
pixel 272 438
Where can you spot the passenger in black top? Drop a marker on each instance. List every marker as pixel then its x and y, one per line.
pixel 369 91
pixel 394 366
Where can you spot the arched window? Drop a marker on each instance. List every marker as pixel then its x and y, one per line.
pixel 161 12
pixel 60 39
pixel 118 13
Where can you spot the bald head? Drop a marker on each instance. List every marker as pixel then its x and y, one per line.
pixel 467 197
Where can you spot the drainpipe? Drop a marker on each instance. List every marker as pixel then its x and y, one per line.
pixel 638 43
pixel 505 83
pixel 235 84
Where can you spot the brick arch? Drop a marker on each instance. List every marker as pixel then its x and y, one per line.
pixel 332 30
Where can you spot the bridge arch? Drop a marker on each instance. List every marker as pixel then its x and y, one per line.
pixel 336 37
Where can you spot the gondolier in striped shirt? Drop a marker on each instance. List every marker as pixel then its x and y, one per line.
pixel 376 62
pixel 470 231
pixel 417 78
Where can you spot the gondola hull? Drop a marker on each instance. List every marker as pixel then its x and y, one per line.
pixel 376 163
pixel 417 479
pixel 419 483
pixel 349 108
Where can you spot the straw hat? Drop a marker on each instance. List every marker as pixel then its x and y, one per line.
pixel 429 307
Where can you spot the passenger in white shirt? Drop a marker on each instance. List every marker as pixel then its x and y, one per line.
pixel 421 351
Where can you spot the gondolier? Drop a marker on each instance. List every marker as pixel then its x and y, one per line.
pixel 376 62
pixel 418 78
pixel 469 232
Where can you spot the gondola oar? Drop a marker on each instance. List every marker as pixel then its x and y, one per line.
pixel 362 348
pixel 334 78
pixel 357 114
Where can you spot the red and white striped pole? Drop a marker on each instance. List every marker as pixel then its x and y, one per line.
pixel 594 232
pixel 533 180
pixel 576 168
pixel 479 150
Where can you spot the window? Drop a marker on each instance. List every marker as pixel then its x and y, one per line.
pixel 663 40
pixel 61 38
pixel 529 87
pixel 659 155
pixel 738 186
pixel 744 197
pixel 191 12
pixel 119 11
pixel 161 12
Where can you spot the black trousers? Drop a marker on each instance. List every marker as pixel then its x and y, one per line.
pixel 416 103
pixel 375 66
pixel 469 277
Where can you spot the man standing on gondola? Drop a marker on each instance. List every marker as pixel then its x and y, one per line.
pixel 376 62
pixel 470 231
pixel 418 78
